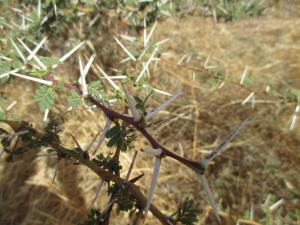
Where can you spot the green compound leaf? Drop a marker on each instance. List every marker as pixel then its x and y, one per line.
pixel 74 99
pixel 2 115
pixel 49 61
pixel 119 138
pixel 38 73
pixel 95 88
pixel 45 97
pixel 187 213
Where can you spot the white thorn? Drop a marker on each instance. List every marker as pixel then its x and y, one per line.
pixel 112 83
pixel 225 141
pixel 18 51
pixel 47 154
pixel 23 22
pixel 267 201
pixel 115 77
pixel 125 49
pixel 268 88
pixel 33 55
pixel 293 123
pixel 275 206
pixel 82 78
pixel 151 32
pixel 161 92
pixel 248 98
pixel 39 8
pixel 71 52
pixel 125 60
pixel 221 85
pixel 206 62
pixel 88 65
pixel 5 58
pixel 98 190
pixel 37 48
pixel 153 184
pixel 162 41
pixel 154 112
pixel 14 134
pixel 131 166
pixel 145 32
pixel 102 137
pixel 210 196
pixel 244 75
pixel 146 65
pixel 46 115
pixel 9 72
pixel 11 105
pixel 46 82
pixel 131 104
pixel 92 142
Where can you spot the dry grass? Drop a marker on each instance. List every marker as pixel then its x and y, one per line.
pixel 263 160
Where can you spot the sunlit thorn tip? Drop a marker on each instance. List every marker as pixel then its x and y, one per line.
pixel 71 52
pixel 33 55
pixel 14 134
pixel 37 48
pixel 151 32
pixel 131 166
pixel 46 115
pixel 111 82
pixel 146 65
pixel 244 75
pixel 125 49
pixel 102 136
pixel 131 104
pixel 98 190
pixel 153 184
pixel 18 51
pixel 210 196
pixel 248 98
pixel 46 82
pixel 154 112
pixel 11 105
pixel 275 206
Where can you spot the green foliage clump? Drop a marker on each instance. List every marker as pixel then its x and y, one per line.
pixel 124 199
pixel 234 9
pixel 109 163
pixel 119 137
pixel 187 213
pixel 95 217
pixel 45 96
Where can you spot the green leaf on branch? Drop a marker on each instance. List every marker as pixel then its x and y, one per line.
pixel 95 217
pixel 2 115
pixel 108 163
pixel 74 99
pixel 40 73
pixel 124 199
pixel 45 96
pixel 118 137
pixel 187 213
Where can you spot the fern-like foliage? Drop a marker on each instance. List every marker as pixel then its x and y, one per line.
pixel 124 199
pixel 95 217
pixel 118 137
pixel 45 97
pixel 187 213
pixel 74 99
pixel 108 163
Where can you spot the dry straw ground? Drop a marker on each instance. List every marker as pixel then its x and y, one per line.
pixel 263 161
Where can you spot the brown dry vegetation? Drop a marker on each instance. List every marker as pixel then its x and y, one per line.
pixel 263 160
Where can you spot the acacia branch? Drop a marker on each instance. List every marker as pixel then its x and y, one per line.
pixel 106 175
